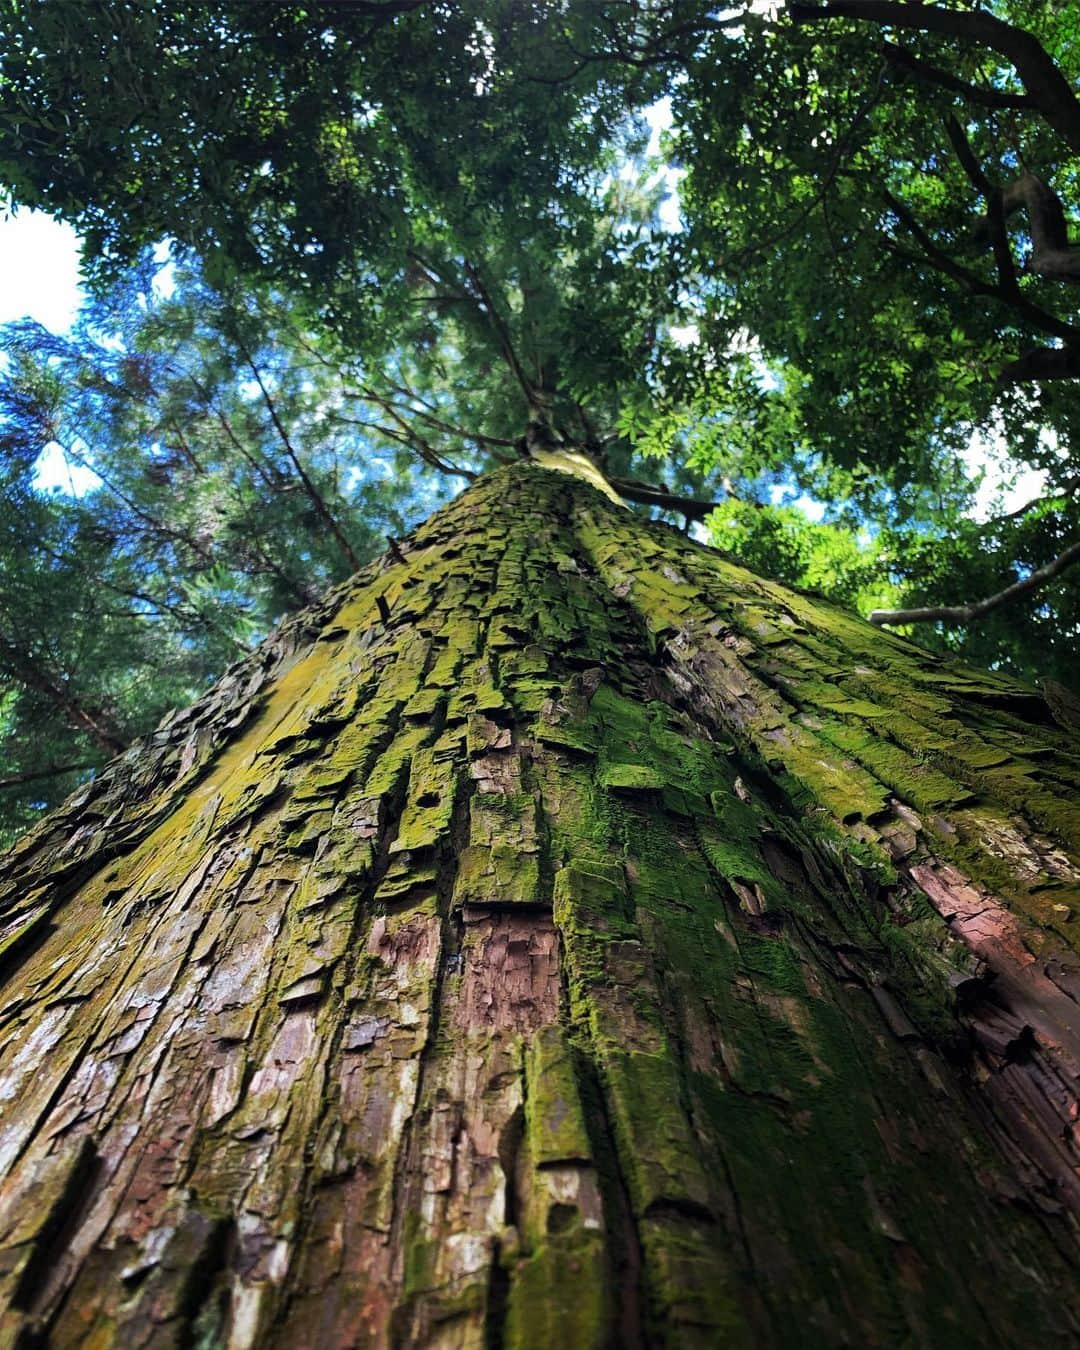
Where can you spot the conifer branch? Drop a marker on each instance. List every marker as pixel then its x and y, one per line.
pixel 313 495
pixel 37 775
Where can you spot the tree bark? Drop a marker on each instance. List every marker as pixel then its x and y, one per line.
pixel 559 937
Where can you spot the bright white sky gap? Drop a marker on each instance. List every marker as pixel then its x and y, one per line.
pixel 40 279
pixel 39 270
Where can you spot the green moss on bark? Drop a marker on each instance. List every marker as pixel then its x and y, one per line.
pixel 608 946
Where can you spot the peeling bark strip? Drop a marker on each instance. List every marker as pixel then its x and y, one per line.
pixel 561 937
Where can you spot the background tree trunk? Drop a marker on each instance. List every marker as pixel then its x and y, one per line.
pixel 560 937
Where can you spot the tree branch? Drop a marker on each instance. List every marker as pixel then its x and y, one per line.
pixel 427 414
pixel 314 496
pixel 1061 495
pixel 995 209
pixel 35 775
pixel 502 332
pixel 923 70
pixel 652 51
pixel 160 606
pixel 1041 363
pixel 95 722
pixel 968 613
pixel 1046 86
pixel 1052 254
pixel 693 508
pixel 226 426
pixel 941 262
pixel 409 436
pixel 819 197
pixel 157 526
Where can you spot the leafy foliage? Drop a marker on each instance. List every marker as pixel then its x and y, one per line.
pixel 317 146
pixel 229 486
pixel 415 239
pixel 852 204
pixel 825 558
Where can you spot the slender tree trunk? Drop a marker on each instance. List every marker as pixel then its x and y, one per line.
pixel 560 938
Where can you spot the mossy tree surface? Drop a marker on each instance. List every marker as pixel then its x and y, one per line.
pixel 561 936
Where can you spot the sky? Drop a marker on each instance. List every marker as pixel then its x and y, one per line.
pixel 39 256
pixel 39 270
pixel 40 279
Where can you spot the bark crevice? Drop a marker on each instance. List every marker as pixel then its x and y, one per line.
pixel 590 943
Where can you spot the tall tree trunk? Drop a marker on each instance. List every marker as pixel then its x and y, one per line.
pixel 561 937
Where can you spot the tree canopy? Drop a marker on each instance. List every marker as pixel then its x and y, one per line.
pixel 411 238
pixel 880 194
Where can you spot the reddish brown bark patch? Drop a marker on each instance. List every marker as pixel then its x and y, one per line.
pixel 1027 1030
pixel 510 971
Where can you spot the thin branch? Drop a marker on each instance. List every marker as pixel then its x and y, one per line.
pixel 264 565
pixel 487 307
pixel 407 434
pixel 975 610
pixel 651 51
pixel 157 526
pixel 234 440
pixel 835 163
pixel 1063 494
pixel 995 209
pixel 186 449
pixel 478 437
pixel 96 722
pixel 35 775
pixel 481 300
pixel 313 352
pixel 314 496
pixel 158 605
pixel 432 273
